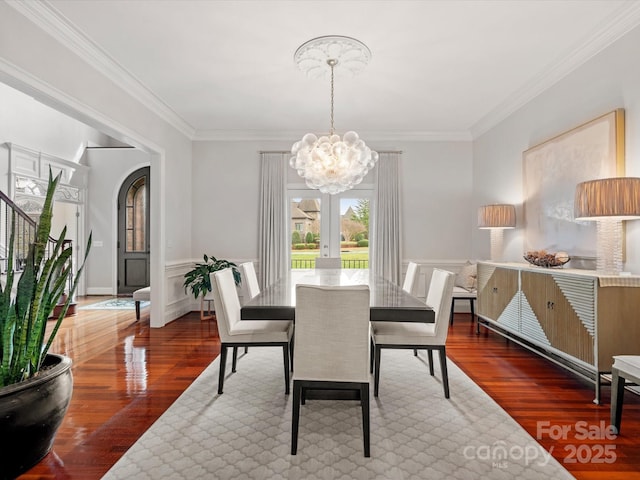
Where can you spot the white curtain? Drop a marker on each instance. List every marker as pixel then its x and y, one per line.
pixel 273 217
pixel 387 238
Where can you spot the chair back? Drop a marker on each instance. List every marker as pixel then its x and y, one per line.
pixel 328 262
pixel 410 278
pixel 332 333
pixel 439 298
pixel 225 298
pixel 249 280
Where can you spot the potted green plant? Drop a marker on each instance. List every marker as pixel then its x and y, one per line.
pixel 35 385
pixel 198 280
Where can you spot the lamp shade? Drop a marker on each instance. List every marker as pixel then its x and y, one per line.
pixel 497 216
pixel 616 198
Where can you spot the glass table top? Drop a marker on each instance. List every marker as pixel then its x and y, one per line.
pixel 388 301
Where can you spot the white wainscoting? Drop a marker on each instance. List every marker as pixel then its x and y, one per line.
pixel 178 302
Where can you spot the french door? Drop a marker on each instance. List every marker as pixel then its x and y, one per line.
pixel 323 225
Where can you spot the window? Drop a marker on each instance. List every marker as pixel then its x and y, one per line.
pixel 354 230
pixel 305 213
pixel 329 226
pixel 135 216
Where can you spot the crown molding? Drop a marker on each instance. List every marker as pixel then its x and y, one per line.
pixel 24 81
pixel 291 136
pixel 625 19
pixel 46 17
pixel 244 136
pixel 417 136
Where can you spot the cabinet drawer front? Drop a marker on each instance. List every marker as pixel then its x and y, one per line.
pixel 497 292
pixel 580 293
pixel 558 310
pixel 575 314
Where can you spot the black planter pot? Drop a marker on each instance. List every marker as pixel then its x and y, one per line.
pixel 30 414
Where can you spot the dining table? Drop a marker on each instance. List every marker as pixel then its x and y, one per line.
pixel 388 301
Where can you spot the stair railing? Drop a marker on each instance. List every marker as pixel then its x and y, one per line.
pixel 25 228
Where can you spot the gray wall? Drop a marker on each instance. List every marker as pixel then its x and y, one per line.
pixel 608 81
pixel 37 64
pixel 31 124
pixel 436 198
pixel 109 168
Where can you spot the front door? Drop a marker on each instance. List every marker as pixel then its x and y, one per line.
pixel 133 232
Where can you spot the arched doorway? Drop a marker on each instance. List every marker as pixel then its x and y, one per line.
pixel 134 232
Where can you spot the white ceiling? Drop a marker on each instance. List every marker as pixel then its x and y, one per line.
pixel 439 69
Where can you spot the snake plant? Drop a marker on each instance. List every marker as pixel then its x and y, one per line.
pixel 24 315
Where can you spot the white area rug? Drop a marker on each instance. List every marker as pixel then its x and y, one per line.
pixel 114 304
pixel 416 433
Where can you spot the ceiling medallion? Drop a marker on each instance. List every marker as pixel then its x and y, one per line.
pixel 352 56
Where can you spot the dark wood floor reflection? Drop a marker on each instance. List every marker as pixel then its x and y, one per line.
pixel 127 374
pixel 554 406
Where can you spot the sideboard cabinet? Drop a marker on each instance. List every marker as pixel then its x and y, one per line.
pixel 576 318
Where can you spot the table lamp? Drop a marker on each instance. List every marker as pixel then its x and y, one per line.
pixel 608 201
pixel 496 218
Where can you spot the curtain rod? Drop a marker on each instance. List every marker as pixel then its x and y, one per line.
pixel 289 151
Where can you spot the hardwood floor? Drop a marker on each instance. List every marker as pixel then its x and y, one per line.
pixel 127 374
pixel 545 399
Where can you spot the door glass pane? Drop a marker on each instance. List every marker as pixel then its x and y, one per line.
pixel 135 216
pixel 354 232
pixel 305 231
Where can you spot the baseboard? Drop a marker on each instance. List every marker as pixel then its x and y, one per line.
pixel 100 291
pixel 176 312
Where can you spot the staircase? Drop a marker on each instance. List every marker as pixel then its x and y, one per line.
pixel 25 228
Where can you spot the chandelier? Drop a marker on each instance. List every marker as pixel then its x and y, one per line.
pixel 330 163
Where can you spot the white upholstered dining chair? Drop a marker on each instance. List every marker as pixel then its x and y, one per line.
pixel 328 262
pixel 409 286
pixel 250 289
pixel 419 336
pixel 250 284
pixel 332 347
pixel 410 278
pixel 243 333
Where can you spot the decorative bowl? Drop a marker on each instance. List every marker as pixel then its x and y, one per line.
pixel 542 258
